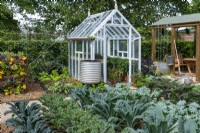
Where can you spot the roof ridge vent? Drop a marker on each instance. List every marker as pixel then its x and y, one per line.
pixel 116 7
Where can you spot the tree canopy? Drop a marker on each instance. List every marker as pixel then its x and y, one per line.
pixel 69 13
pixel 63 16
pixel 7 23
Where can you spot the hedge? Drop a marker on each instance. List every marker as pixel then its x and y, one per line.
pixel 42 55
pixel 46 55
pixel 186 48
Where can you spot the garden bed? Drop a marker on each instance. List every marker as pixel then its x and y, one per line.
pixel 34 92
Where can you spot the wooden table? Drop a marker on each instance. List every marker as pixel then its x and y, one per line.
pixel 190 62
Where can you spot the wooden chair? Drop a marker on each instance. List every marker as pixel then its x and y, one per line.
pixel 179 63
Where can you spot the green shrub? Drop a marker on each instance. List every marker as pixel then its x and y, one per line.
pixel 139 80
pixel 119 105
pixel 162 48
pixel 26 119
pixel 140 110
pixel 117 68
pixel 197 88
pixel 43 55
pixel 66 116
pixel 173 90
pixel 59 82
pixel 54 75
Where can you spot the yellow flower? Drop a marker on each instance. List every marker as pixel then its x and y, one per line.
pixel 11 59
pixel 1 72
pixel 6 92
pixel 23 87
pixel 10 62
pixel 0 77
pixel 22 73
pixel 24 58
pixel 0 62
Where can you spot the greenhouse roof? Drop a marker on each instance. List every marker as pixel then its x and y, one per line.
pixel 117 26
pixel 191 18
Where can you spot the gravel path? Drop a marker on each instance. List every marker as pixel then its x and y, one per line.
pixel 5 107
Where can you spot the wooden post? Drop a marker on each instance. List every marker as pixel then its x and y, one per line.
pixel 198 53
pixel 153 48
pixel 173 38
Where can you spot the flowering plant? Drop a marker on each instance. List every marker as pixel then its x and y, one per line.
pixel 12 72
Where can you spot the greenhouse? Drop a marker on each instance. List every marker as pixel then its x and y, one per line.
pixel 102 35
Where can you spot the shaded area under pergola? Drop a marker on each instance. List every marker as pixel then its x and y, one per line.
pixel 173 23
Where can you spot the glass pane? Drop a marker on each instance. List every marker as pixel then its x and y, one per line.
pixel 109 22
pixel 124 22
pixel 134 66
pixel 115 47
pixel 116 19
pixel 136 48
pixel 79 46
pixel 134 33
pixel 125 55
pixel 123 45
pixel 132 50
pixel 111 47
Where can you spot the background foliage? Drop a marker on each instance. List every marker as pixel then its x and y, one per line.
pixel 42 55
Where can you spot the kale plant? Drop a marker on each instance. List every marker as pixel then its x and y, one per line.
pixel 67 116
pixel 26 118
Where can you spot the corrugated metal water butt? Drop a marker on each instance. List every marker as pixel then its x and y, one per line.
pixel 90 71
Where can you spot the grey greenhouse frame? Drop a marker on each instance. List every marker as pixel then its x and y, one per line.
pixel 106 34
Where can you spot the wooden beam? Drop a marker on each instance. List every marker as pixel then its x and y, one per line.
pixel 177 25
pixel 153 47
pixel 184 25
pixel 198 53
pixel 173 38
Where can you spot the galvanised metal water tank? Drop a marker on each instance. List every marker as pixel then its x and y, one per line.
pixel 90 71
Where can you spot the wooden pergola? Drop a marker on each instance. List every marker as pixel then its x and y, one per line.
pixel 173 23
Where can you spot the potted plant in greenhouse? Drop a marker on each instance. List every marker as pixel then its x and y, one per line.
pixel 113 76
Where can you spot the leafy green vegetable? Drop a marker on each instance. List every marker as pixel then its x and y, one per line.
pixel 26 118
pixel 66 115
